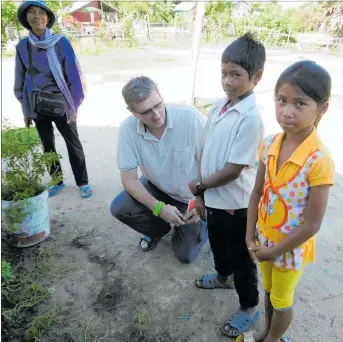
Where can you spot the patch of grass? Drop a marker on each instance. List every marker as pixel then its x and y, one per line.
pixel 20 295
pixel 141 321
pixel 44 262
pixel 26 295
pixel 84 331
pixel 40 325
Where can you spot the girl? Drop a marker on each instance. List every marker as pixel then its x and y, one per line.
pixel 291 192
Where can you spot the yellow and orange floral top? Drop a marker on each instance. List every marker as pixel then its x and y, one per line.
pixel 285 194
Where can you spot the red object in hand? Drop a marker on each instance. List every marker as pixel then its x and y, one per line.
pixel 191 205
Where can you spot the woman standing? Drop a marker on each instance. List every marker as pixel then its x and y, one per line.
pixel 49 86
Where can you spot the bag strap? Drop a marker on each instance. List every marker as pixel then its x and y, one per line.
pixel 29 49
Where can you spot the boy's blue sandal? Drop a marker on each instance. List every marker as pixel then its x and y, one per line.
pixel 241 322
pixel 86 191
pixel 53 190
pixel 210 281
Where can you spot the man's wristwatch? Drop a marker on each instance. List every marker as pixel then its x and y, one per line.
pixel 200 188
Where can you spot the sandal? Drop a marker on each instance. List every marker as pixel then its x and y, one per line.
pixel 53 190
pixel 210 281
pixel 240 322
pixel 86 191
pixel 248 337
pixel 151 243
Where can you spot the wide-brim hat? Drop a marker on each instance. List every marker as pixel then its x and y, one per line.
pixel 21 13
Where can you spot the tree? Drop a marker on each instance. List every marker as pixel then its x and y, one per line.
pixel 8 17
pixel 330 16
pixel 131 9
pixel 162 11
pixel 59 8
pixel 218 15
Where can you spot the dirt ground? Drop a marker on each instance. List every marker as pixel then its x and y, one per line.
pixel 104 288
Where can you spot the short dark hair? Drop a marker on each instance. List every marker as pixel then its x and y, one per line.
pixel 312 79
pixel 247 52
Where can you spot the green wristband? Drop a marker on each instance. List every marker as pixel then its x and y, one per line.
pixel 158 208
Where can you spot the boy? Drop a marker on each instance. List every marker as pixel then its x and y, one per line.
pixel 233 133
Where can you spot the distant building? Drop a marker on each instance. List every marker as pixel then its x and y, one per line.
pixel 81 12
pixel 186 11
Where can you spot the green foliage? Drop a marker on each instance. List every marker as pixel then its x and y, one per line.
pixel 59 7
pixel 40 325
pixel 271 16
pixel 330 15
pixel 24 165
pixel 19 295
pixel 162 12
pixel 7 276
pixel 217 18
pixel 141 320
pixel 129 33
pixel 8 17
pixel 15 214
pixel 131 9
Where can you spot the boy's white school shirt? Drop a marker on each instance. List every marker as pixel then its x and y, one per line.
pixel 232 137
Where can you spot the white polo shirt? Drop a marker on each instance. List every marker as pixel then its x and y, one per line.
pixel 170 162
pixel 232 137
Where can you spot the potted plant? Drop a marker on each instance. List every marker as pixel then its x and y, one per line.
pixel 24 195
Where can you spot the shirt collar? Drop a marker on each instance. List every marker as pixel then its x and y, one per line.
pixel 300 155
pixel 143 129
pixel 243 106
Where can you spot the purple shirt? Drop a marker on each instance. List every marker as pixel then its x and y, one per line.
pixel 43 78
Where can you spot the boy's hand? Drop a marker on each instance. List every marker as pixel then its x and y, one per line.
pixel 193 186
pixel 200 207
pixel 264 253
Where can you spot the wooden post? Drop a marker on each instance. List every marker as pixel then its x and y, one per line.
pixel 102 11
pixel 288 37
pixel 148 27
pixel 277 37
pixel 268 37
pixel 196 43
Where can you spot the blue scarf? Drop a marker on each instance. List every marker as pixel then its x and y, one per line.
pixel 48 44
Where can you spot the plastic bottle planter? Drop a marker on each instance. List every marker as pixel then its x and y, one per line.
pixel 26 221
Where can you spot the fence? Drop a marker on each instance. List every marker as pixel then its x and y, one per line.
pixel 270 37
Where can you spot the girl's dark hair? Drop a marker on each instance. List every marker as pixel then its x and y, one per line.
pixel 312 79
pixel 246 52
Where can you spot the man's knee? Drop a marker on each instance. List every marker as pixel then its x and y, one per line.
pixel 117 207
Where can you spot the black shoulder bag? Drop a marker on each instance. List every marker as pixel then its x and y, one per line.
pixel 45 102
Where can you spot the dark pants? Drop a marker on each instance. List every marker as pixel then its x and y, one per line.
pixel 227 239
pixel 187 240
pixel 75 151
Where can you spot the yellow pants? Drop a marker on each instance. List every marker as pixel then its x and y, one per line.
pixel 280 283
